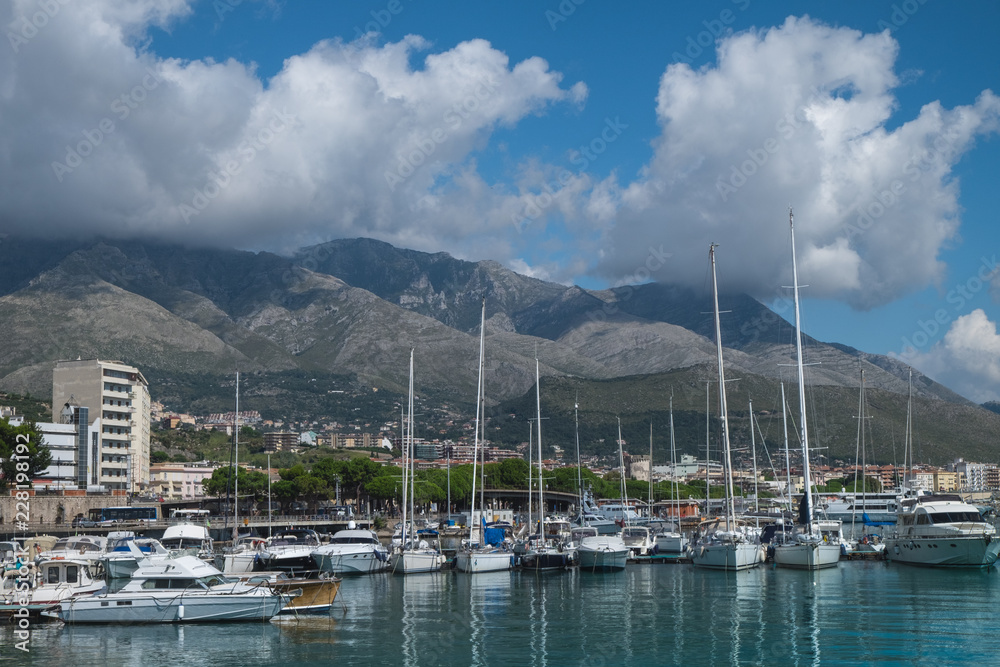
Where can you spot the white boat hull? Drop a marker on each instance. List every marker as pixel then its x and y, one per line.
pixel 169 607
pixel 958 551
pixel 602 553
pixel 483 561
pixel 414 562
pixel 730 556
pixel 807 556
pixel 350 562
pixel 671 543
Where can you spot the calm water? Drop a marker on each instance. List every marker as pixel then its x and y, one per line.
pixel 647 615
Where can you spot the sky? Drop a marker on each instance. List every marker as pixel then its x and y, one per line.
pixel 577 141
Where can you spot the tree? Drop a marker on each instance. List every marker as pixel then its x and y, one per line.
pixel 23 454
pixel 312 488
pixel 159 457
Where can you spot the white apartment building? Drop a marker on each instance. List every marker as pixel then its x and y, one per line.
pixel 116 396
pixel 179 481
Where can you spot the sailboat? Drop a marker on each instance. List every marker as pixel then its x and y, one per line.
pixel 541 553
pixel 808 547
pixel 412 556
pixel 475 555
pixel 604 553
pixel 671 540
pixel 726 547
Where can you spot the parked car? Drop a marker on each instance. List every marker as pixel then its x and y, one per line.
pixel 80 521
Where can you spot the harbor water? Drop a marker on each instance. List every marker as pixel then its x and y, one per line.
pixel 666 614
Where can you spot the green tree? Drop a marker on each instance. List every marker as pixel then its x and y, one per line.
pixel 23 454
pixel 159 457
pixel 311 488
pixel 284 493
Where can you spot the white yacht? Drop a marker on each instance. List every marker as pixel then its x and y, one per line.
pixel 601 553
pixel 670 540
pixel 942 531
pixel 48 583
pixel 240 558
pixel 188 538
pixel 289 551
pixel 352 551
pixel 119 559
pixel 79 547
pixel 639 540
pixel 174 589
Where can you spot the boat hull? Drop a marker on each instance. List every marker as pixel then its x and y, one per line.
pixel 539 561
pixel 170 608
pixel 959 551
pixel 488 561
pixel 808 556
pixel 343 563
pixel 671 543
pixel 726 556
pixel 415 562
pixel 602 554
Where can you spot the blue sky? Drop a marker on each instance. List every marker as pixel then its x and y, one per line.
pixel 569 140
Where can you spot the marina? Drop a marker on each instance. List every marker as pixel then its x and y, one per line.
pixel 854 613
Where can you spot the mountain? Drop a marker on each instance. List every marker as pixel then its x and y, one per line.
pixel 346 313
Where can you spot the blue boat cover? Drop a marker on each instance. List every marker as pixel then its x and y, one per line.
pixel 493 536
pixel 869 522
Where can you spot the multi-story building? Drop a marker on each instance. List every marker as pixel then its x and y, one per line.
pixel 179 481
pixel 280 441
pixel 69 445
pixel 117 395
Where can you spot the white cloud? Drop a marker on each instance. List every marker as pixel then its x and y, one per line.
pixel 967 359
pixel 798 115
pixel 346 140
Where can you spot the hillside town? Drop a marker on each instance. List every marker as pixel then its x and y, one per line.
pixel 100 443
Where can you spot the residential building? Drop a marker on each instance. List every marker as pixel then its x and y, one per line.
pixel 179 481
pixel 116 395
pixel 280 441
pixel 68 446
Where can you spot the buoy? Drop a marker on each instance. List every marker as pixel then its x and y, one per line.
pixel 180 612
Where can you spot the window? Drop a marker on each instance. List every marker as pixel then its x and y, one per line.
pixel 71 574
pixel 53 575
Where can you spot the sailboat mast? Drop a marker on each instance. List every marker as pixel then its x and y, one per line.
pixel 531 476
pixel 908 448
pixel 675 488
pixel 621 467
pixel 723 413
pixel 788 459
pixel 236 470
pixel 753 455
pixel 479 416
pixel 541 497
pixel 579 469
pixel 413 471
pixel 807 482
pixel 708 449
pixel 650 468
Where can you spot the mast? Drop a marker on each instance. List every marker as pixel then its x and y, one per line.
pixel 621 464
pixel 541 497
pixel 788 460
pixel 674 488
pixel 269 494
pixel 479 416
pixel 579 469
pixel 908 447
pixel 802 387
pixel 650 469
pixel 531 442
pixel 708 450
pixel 236 470
pixel 753 455
pixel 412 469
pixel 723 413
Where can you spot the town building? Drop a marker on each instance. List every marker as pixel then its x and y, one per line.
pixel 179 481
pixel 116 396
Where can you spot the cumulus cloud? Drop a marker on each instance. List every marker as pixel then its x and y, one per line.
pixel 101 135
pixel 798 115
pixel 967 359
